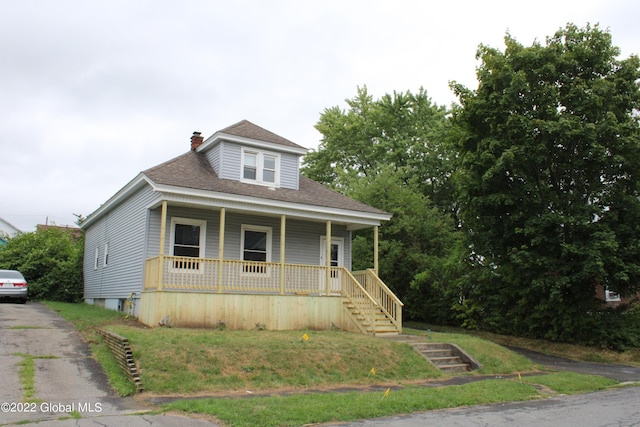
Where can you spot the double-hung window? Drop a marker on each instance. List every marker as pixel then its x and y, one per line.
pixel 260 167
pixel 256 247
pixel 187 241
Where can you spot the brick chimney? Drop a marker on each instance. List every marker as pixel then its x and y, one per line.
pixel 196 140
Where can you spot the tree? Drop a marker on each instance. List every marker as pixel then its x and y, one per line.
pixel 393 154
pixel 548 177
pixel 404 131
pixel 50 260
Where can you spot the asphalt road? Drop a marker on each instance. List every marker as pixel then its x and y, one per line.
pixel 68 380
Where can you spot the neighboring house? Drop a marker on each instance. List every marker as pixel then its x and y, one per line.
pixel 75 232
pixel 7 231
pixel 230 232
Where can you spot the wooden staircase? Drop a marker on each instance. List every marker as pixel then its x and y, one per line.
pixel 377 324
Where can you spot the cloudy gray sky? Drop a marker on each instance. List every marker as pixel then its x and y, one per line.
pixel 93 92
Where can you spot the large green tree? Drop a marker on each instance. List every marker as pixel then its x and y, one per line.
pixel 549 182
pixel 404 131
pixel 392 153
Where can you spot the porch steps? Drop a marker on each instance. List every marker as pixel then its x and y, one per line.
pixel 445 356
pixel 382 326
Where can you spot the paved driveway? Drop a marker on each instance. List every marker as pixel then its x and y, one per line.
pixel 67 380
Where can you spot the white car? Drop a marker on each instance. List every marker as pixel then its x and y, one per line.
pixel 13 285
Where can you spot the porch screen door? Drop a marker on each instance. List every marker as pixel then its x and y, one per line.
pixel 337 260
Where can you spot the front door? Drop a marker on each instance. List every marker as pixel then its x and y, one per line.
pixel 337 260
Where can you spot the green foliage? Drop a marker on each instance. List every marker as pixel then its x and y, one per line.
pixel 421 253
pixel 404 131
pixel 548 181
pixel 50 260
pixel 393 154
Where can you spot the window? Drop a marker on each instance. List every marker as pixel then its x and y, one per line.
pixel 106 254
pixel 260 167
pixel 611 295
pixel 187 240
pixel 96 259
pixel 256 246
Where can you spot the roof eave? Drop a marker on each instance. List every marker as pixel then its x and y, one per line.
pixel 196 197
pixel 221 136
pixel 126 191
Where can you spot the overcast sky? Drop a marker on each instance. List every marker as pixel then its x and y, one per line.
pixel 93 92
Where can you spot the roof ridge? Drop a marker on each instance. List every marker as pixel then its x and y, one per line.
pixel 245 128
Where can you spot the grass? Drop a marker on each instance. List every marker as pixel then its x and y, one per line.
pixel 305 409
pixel 284 367
pixel 215 361
pixel 570 351
pixel 27 375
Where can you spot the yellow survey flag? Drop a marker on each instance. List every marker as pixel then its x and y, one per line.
pixel 386 393
pixel 519 377
pixel 305 337
pixel 373 371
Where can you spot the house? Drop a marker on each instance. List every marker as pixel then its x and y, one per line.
pixel 74 232
pixel 230 232
pixel 7 231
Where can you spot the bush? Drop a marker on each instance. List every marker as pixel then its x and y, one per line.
pixel 50 260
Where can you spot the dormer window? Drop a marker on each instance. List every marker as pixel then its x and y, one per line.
pixel 260 167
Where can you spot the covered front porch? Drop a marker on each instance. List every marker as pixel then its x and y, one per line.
pixel 244 294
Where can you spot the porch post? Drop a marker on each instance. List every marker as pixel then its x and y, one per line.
pixel 221 247
pixel 283 224
pixel 375 249
pixel 163 233
pixel 328 258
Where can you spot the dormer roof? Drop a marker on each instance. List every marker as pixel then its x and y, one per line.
pixel 248 133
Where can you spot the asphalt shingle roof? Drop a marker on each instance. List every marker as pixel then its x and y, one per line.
pixel 192 170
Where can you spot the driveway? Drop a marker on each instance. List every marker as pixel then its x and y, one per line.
pixel 68 382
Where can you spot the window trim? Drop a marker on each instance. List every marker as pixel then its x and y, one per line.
pixel 261 229
pixel 611 296
pixel 202 223
pixel 106 254
pixel 260 156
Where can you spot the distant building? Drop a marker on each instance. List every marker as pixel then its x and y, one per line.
pixel 75 232
pixel 7 231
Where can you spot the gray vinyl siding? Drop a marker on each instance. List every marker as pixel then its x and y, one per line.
pixel 226 160
pixel 289 171
pixel 302 245
pixel 231 162
pixel 125 230
pixel 213 227
pixel 213 156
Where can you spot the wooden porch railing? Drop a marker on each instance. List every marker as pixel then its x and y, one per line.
pixel 203 274
pixel 387 300
pixel 366 292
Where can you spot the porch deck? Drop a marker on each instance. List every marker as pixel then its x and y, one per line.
pixel 367 302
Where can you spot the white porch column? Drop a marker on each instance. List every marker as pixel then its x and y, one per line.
pixel 283 224
pixel 221 247
pixel 163 233
pixel 375 249
pixel 328 258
